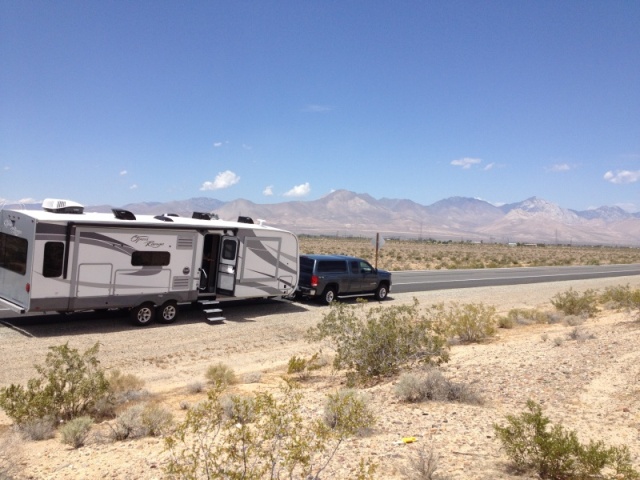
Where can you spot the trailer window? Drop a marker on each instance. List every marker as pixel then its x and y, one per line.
pixel 53 259
pixel 229 248
pixel 13 253
pixel 150 259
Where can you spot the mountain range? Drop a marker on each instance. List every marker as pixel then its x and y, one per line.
pixel 347 213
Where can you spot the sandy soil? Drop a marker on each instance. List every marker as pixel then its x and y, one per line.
pixel 589 385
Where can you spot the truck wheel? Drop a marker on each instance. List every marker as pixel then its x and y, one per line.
pixel 143 314
pixel 168 312
pixel 381 292
pixel 329 295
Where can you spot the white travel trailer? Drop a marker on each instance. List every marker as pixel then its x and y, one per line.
pixel 63 259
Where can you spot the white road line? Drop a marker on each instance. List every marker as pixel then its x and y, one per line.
pixel 503 278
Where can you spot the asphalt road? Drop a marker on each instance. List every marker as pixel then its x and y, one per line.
pixel 419 281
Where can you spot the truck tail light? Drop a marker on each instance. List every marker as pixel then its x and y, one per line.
pixel 314 280
pixel 27 287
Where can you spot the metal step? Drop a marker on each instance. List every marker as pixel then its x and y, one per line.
pixel 216 319
pixel 208 302
pixel 212 310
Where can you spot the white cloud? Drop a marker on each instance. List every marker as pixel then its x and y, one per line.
pixel 299 190
pixel 123 172
pixel 622 176
pixel 223 180
pixel 268 191
pixel 217 144
pixel 247 147
pixel 489 166
pixel 133 187
pixel 465 162
pixel 559 167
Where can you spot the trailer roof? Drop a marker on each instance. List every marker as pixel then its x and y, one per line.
pixel 140 220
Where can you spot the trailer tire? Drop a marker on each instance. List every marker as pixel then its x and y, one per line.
pixel 168 312
pixel 143 314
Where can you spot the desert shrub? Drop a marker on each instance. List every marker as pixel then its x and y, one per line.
pixel 302 367
pixel 221 373
pixel 527 316
pixel 621 297
pixel 374 342
pixel 348 411
pixel 69 386
pixel 141 420
pixel 571 302
pixel 280 442
pixel 252 377
pixel 128 424
pixel 505 322
pixel 432 385
pixel 122 384
pixel 553 452
pixel 37 429
pixel 471 322
pixel 195 387
pixel 421 465
pixel 76 431
pixel 238 408
pixel 573 320
pixel 156 420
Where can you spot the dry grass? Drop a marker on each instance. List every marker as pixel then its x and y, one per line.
pixel 429 255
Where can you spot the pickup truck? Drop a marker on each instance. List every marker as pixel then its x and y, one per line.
pixel 328 277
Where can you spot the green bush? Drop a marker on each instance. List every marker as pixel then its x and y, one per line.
pixel 302 367
pixel 222 374
pixel 279 442
pixel 76 431
pixel 348 411
pixel 554 453
pixel 471 322
pixel 70 384
pixel 621 297
pixel 373 342
pixel 571 302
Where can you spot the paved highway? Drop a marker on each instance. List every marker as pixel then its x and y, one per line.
pixel 419 281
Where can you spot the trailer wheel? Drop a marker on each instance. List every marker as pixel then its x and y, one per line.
pixel 168 312
pixel 143 314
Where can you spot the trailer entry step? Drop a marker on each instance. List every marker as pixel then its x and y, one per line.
pixel 216 320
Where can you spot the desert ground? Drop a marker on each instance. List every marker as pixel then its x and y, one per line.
pixel 588 383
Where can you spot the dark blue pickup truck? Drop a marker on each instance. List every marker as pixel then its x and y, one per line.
pixel 327 277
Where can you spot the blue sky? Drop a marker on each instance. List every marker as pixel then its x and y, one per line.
pixel 124 101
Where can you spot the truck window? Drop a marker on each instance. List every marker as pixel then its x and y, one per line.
pixel 53 259
pixel 13 253
pixel 150 259
pixel 332 266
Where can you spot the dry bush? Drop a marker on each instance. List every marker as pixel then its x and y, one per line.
pixel 433 386
pixel 76 431
pixel 222 374
pixel 471 322
pixel 37 429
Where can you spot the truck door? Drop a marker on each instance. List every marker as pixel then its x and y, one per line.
pixel 363 276
pixel 227 266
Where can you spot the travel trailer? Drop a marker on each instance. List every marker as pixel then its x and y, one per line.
pixel 64 259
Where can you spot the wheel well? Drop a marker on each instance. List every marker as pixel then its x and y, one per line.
pixel 333 286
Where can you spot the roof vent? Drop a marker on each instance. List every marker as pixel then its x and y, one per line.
pixel 123 214
pixel 204 216
pixel 56 205
pixel 242 219
pixel 164 218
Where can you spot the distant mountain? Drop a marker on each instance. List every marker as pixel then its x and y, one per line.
pixel 457 218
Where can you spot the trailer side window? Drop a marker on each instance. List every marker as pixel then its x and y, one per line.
pixel 13 253
pixel 150 259
pixel 53 259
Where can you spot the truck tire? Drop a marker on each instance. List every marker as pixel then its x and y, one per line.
pixel 143 314
pixel 382 291
pixel 168 312
pixel 329 295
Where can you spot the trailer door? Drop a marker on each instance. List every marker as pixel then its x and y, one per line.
pixel 227 266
